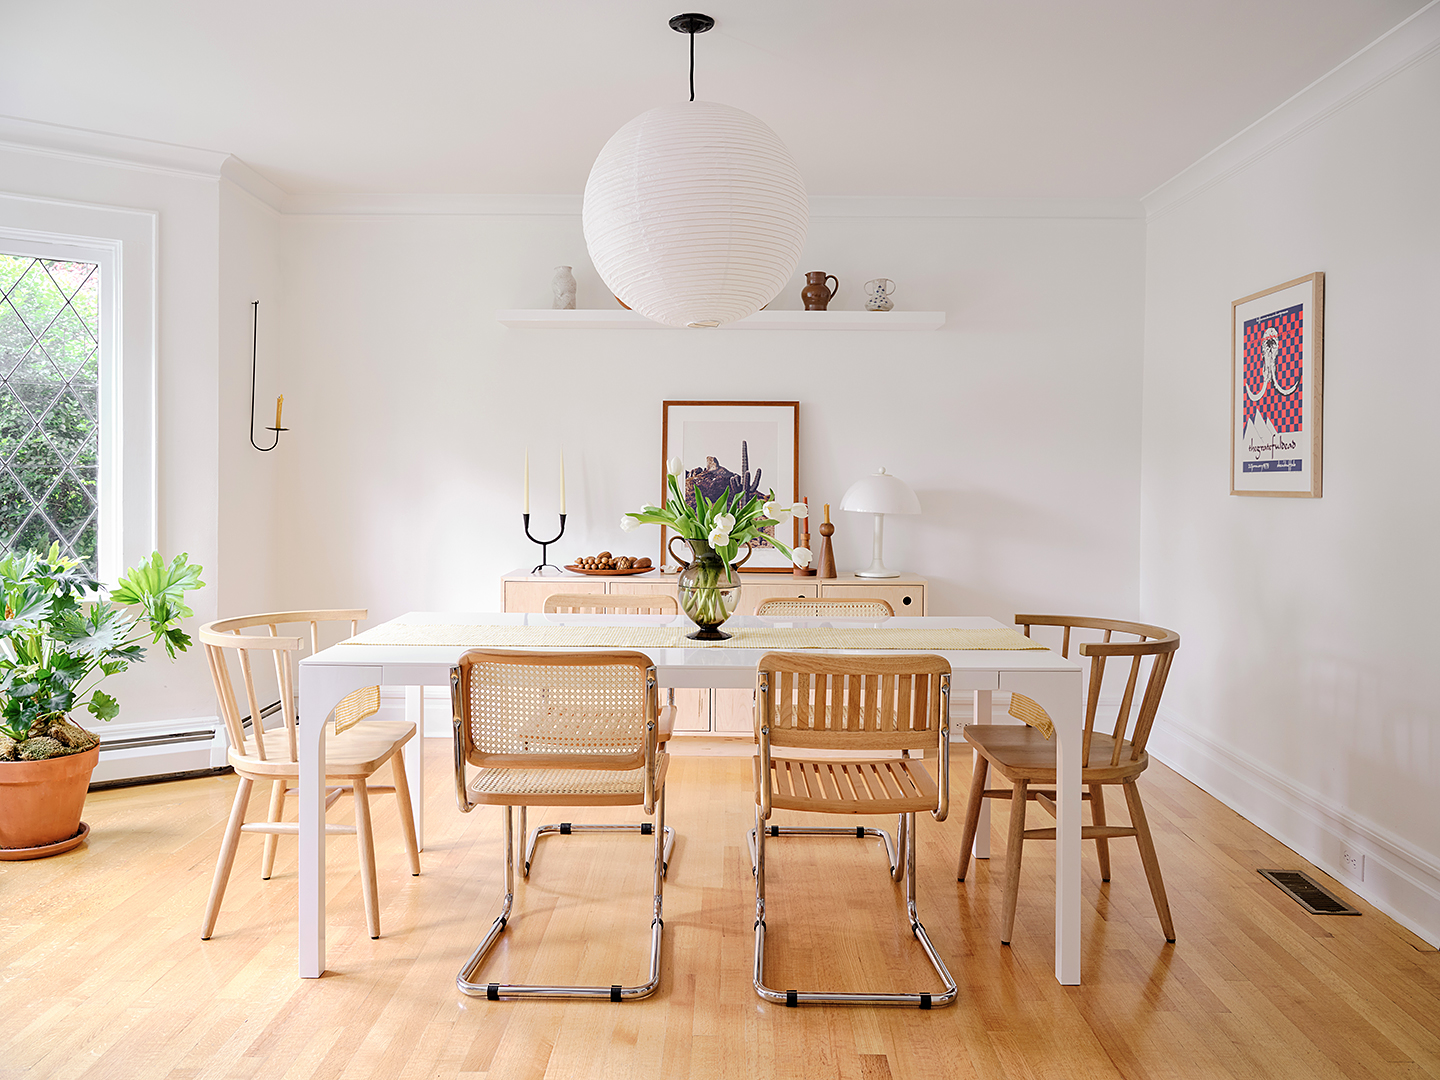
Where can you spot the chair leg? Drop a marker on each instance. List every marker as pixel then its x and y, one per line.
pixel 227 857
pixel 495 991
pixel 1150 859
pixel 407 812
pixel 365 841
pixel 906 855
pixel 272 840
pixel 567 828
pixel 1097 817
pixel 1018 798
pixel 972 813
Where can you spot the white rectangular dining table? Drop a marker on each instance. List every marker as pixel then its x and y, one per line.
pixel 327 676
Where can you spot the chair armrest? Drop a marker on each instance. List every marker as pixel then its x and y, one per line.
pixel 667 722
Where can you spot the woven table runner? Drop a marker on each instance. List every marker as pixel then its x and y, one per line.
pixel 673 637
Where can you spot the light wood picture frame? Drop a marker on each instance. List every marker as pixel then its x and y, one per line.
pixel 1277 399
pixel 754 442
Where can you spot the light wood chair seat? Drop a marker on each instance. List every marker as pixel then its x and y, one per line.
pixel 813 607
pixel 1024 753
pixel 358 748
pixel 1025 756
pixel 359 752
pixel 564 787
pixel 847 786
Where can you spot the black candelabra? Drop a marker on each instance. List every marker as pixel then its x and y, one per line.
pixel 544 544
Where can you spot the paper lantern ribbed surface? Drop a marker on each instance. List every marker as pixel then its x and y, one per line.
pixel 695 214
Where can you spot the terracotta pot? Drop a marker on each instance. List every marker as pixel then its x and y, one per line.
pixel 41 801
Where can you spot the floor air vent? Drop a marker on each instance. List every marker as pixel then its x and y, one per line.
pixel 1309 893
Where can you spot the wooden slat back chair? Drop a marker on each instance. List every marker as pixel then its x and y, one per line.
pixel 615 603
pixel 263 754
pixel 866 706
pixel 561 729
pixel 807 607
pixel 1025 755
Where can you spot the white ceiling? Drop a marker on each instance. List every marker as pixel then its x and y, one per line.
pixel 1020 98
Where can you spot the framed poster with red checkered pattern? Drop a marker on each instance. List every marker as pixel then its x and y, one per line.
pixel 1275 390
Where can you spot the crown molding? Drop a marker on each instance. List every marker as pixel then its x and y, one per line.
pixel 253 184
pixel 1411 42
pixel 78 144
pixel 821 206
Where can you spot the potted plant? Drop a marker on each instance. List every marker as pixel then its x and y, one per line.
pixel 59 639
pixel 715 531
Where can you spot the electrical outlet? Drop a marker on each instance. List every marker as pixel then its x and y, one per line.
pixel 1354 863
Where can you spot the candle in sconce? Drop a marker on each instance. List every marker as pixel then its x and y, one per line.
pixel 527 480
pixel 279 401
pixel 562 481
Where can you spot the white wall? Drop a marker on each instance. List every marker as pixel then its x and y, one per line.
pixel 187 477
pixel 1305 691
pixel 412 407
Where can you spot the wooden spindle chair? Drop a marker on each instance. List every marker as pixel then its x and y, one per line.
pixel 561 729
pixel 852 708
pixel 1025 755
pixel 360 747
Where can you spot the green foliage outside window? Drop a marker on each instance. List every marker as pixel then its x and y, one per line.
pixel 49 406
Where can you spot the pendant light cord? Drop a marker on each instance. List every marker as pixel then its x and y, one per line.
pixel 692 65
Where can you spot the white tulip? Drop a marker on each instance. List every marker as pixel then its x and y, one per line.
pixel 801 557
pixel 675 467
pixel 800 510
pixel 628 522
pixel 775 512
pixel 725 522
pixel 719 537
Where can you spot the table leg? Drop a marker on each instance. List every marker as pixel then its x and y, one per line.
pixel 321 688
pixel 982 715
pixel 415 758
pixel 1061 695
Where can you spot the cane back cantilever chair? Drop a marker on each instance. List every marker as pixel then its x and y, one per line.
pixel 1025 756
pixel 866 705
pixel 361 747
pixel 807 607
pixel 596 604
pixel 561 729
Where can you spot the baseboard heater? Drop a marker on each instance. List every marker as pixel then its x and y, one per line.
pixel 153 755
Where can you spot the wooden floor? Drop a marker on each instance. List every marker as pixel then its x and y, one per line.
pixel 103 973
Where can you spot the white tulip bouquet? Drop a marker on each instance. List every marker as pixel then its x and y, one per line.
pixel 724 525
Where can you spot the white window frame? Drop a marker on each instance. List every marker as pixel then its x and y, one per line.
pixel 122 242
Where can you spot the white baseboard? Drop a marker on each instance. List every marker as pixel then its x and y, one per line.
pixel 1400 879
pixel 161 748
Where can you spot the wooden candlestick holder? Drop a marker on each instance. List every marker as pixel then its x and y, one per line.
pixel 827 551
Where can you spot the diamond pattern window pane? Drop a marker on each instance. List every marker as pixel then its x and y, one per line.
pixel 49 402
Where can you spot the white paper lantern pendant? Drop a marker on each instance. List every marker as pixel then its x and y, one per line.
pixel 695 213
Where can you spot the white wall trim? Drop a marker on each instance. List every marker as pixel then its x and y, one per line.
pixel 821 206
pixel 1401 879
pixel 1409 43
pixel 56 140
pixel 253 184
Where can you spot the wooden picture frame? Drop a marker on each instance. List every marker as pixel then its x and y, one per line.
pixel 758 437
pixel 1277 356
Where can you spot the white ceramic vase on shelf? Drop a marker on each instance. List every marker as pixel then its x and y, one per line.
pixel 877 294
pixel 563 286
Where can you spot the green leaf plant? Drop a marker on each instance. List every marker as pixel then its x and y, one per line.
pixel 60 637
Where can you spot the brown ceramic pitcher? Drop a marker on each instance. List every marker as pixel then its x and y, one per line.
pixel 816 294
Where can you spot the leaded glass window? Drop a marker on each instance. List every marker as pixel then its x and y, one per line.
pixel 49 405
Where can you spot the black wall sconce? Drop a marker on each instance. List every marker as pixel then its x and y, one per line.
pixel 279 401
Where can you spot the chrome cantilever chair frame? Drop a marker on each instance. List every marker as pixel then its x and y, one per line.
pixel 887 728
pixel 653 797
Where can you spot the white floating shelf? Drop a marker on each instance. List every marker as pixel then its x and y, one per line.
pixel 605 319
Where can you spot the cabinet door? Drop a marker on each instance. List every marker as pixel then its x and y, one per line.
pixel 752 592
pixel 642 585
pixel 905 599
pixel 692 710
pixel 733 712
pixel 529 596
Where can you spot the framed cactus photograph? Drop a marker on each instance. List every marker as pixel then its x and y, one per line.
pixel 740 450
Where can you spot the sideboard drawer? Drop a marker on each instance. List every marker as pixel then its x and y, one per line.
pixel 905 599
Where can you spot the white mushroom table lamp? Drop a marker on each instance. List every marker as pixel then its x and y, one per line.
pixel 880 494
